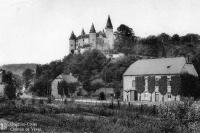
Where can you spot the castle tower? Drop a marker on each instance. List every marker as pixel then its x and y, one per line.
pixel 72 42
pixel 83 32
pixel 92 37
pixel 81 39
pixel 109 33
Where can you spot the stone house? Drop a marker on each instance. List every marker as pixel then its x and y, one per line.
pixel 69 78
pixel 156 69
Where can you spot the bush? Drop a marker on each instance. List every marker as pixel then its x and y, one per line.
pixel 102 96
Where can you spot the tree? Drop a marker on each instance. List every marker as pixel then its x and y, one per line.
pixel 27 77
pixel 190 86
pixel 66 89
pixel 102 96
pixel 60 87
pixel 190 38
pixel 125 39
pixel 175 85
pixel 10 91
pixel 72 87
pixel 164 40
pixel 42 87
pixel 163 86
pixel 176 39
pixel 151 85
pixel 114 71
pixel 140 84
pixel 97 85
pixel 7 77
pixel 38 71
pixel 117 85
pixel 85 66
pixel 10 88
pixel 153 45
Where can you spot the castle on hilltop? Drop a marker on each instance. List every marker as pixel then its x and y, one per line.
pixel 102 40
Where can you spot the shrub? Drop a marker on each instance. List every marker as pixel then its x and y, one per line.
pixel 102 96
pixel 140 83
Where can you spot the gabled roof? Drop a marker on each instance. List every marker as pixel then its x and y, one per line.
pixel 69 78
pixel 92 29
pixel 72 37
pixel 109 23
pixel 161 66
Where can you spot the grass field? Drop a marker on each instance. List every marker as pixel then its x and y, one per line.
pixel 38 116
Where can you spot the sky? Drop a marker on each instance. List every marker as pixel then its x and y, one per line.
pixel 38 31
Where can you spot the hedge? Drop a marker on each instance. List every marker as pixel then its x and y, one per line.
pixel 163 85
pixel 151 84
pixel 140 84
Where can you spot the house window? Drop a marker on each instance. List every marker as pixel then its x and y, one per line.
pixel 146 81
pixel 133 83
pixel 157 81
pixel 156 96
pixel 168 80
pixel 169 95
pixel 146 96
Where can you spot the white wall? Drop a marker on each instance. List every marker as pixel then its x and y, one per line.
pixel 127 85
pixel 54 89
pixel 146 96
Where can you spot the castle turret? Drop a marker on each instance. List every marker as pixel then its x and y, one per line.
pixel 109 24
pixel 92 37
pixel 83 32
pixel 109 33
pixel 72 42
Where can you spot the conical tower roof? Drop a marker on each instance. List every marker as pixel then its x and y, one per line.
pixel 72 37
pixel 109 23
pixel 92 29
pixel 82 32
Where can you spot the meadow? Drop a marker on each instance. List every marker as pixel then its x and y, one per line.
pixel 68 116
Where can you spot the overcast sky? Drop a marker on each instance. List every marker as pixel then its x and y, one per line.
pixel 38 30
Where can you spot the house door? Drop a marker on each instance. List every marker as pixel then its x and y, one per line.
pixel 132 95
pixel 135 96
pixel 156 97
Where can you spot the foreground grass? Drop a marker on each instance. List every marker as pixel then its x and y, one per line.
pixel 73 117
